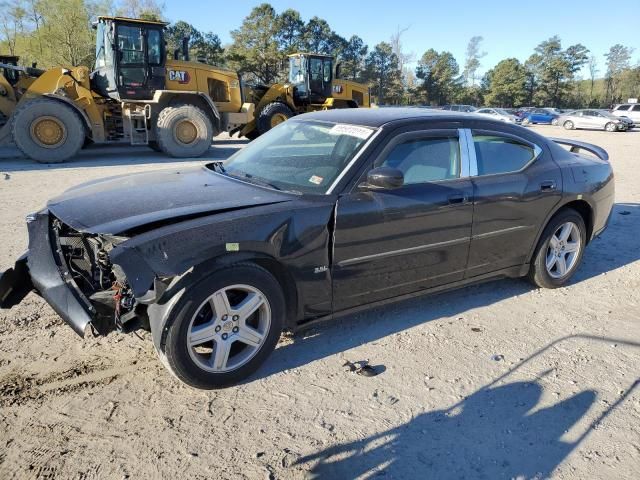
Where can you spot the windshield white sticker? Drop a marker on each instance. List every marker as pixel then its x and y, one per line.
pixel 316 179
pixel 351 130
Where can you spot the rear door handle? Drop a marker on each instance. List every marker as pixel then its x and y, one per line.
pixel 548 186
pixel 457 198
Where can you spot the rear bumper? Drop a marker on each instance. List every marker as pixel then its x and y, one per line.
pixel 42 268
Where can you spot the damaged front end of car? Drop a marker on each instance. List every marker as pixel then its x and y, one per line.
pixel 73 272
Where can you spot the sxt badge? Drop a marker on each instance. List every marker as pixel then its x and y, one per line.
pixel 179 76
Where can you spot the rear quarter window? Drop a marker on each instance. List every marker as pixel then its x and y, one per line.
pixel 501 154
pixel 622 108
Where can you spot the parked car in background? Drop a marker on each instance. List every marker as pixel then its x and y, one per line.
pixel 540 115
pixel 630 110
pixel 630 123
pixel 592 119
pixel 459 108
pixel 325 214
pixel 523 112
pixel 498 114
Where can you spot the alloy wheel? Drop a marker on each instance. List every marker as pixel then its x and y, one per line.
pixel 229 328
pixel 563 250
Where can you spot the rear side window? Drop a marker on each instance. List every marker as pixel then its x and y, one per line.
pixel 636 108
pixel 622 108
pixel 498 154
pixel 423 160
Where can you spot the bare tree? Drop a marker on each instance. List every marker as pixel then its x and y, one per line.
pixel 404 58
pixel 593 71
pixel 472 63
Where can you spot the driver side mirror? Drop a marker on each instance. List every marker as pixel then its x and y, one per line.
pixel 384 178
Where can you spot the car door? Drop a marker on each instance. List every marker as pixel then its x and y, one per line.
pixel 393 242
pixel 594 120
pixel 634 113
pixel 516 184
pixel 578 119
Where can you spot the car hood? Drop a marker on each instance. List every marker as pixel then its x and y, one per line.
pixel 118 204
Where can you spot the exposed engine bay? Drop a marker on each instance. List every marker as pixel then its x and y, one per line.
pixel 104 284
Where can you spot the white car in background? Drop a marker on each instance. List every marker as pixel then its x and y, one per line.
pixel 498 114
pixel 630 110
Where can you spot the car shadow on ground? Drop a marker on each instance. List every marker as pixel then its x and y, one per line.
pixel 499 431
pixel 617 247
pixel 107 156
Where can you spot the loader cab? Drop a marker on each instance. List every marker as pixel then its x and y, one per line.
pixel 130 58
pixel 311 75
pixel 12 76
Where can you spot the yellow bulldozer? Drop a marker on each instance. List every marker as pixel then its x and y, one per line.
pixel 136 95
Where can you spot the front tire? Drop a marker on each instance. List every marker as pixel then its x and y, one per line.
pixel 559 250
pixel 554 122
pixel 273 115
pixel 610 127
pixel 183 131
pixel 568 125
pixel 526 121
pixel 224 327
pixel 47 131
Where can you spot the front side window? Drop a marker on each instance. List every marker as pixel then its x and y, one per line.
pixel 622 108
pixel 154 47
pixel 498 154
pixel 636 108
pixel 100 51
pixel 424 160
pixel 302 156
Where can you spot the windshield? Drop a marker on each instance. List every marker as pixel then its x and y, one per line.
pixel 502 111
pixel 299 156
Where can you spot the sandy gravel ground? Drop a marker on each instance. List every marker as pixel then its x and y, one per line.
pixel 493 381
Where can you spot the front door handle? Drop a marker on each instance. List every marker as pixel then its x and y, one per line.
pixel 457 198
pixel 548 186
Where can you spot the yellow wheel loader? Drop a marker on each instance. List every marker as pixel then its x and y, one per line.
pixel 136 95
pixel 313 85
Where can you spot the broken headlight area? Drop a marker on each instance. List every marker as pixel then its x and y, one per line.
pixel 87 261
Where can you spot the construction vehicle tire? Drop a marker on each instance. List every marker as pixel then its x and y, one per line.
pixel 253 134
pixel 183 131
pixel 47 131
pixel 272 115
pixel 153 145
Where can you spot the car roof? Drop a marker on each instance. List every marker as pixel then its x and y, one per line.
pixel 377 117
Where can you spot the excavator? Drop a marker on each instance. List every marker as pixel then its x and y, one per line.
pixel 137 95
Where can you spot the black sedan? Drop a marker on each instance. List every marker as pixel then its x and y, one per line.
pixel 328 213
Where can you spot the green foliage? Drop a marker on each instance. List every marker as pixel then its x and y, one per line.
pixel 383 74
pixel 439 73
pixel 506 84
pixel 204 47
pixel 352 58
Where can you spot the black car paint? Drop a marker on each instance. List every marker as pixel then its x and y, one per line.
pixel 330 252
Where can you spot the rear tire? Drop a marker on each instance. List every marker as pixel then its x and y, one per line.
pixel 183 131
pixel 554 122
pixel 553 251
pixel 153 145
pixel 526 121
pixel 204 319
pixel 47 131
pixel 568 125
pixel 272 115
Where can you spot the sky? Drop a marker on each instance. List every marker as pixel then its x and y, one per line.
pixel 509 28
